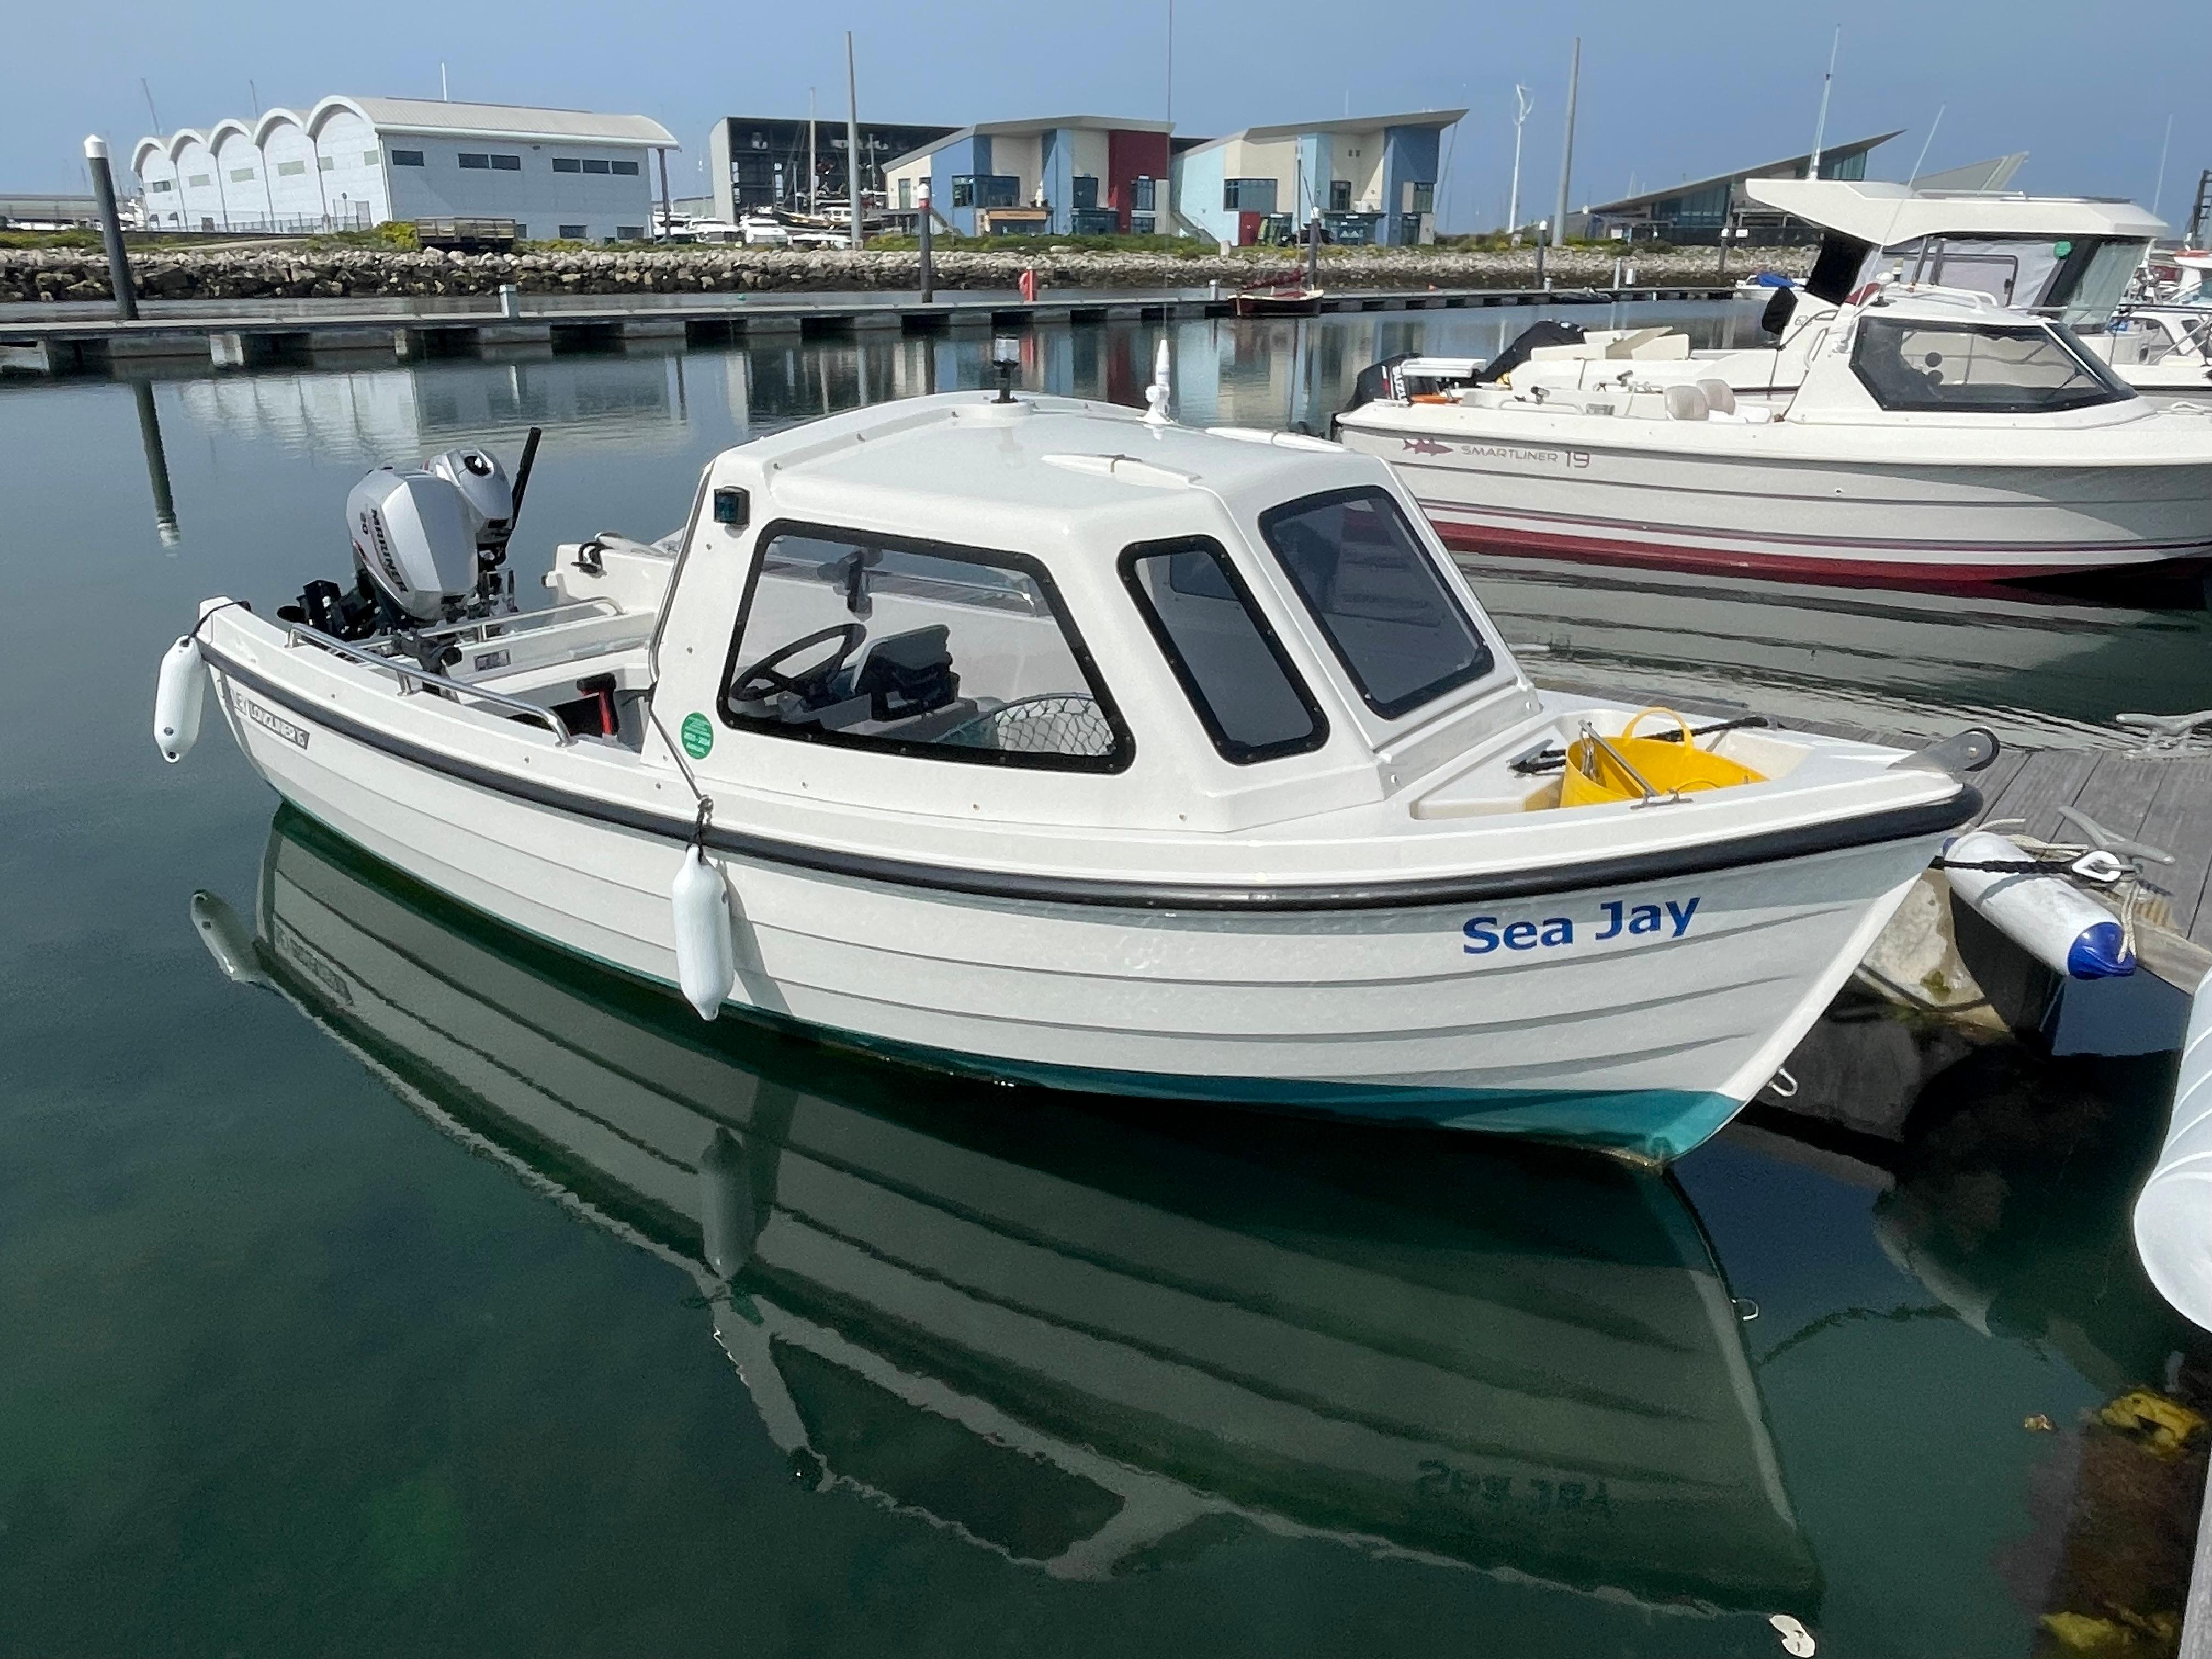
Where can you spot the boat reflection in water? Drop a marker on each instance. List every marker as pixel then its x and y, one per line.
pixel 1094 1340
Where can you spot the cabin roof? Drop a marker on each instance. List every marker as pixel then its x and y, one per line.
pixel 1061 457
pixel 1885 214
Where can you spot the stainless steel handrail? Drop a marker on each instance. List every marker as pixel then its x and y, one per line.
pixel 413 676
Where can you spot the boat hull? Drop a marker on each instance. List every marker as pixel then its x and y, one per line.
pixel 1637 1017
pixel 1935 523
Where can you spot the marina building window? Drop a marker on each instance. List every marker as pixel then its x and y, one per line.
pixel 1248 195
pixel 1377 596
pixel 158 184
pixel 566 164
pixel 326 164
pixel 200 180
pixel 507 164
pixel 2023 370
pixel 241 175
pixel 1424 198
pixel 985 190
pixel 1339 195
pixel 917 648
pixel 407 158
pixel 370 158
pixel 475 163
pixel 630 232
pixel 574 233
pixel 1140 194
pixel 627 169
pixel 291 169
pixel 593 165
pixel 1229 663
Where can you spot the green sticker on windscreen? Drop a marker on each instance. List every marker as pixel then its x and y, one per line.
pixel 2060 250
pixel 698 736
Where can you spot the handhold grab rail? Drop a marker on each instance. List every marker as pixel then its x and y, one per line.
pixel 411 677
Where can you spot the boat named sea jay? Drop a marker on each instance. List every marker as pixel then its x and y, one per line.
pixel 1049 742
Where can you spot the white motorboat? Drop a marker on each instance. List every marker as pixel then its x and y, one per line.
pixel 2078 260
pixel 1933 437
pixel 1115 1336
pixel 2074 259
pixel 1036 739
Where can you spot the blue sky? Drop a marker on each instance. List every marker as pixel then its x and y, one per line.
pixel 1667 93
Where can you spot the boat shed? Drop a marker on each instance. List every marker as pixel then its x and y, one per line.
pixel 1368 178
pixel 1697 209
pixel 349 163
pixel 756 161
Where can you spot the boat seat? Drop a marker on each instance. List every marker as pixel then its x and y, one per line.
pixel 1686 403
pixel 1720 396
pixel 903 674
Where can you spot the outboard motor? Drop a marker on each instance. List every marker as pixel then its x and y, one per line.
pixel 412 534
pixel 429 540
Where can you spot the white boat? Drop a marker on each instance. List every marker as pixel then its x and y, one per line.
pixel 1933 437
pixel 1039 740
pixel 2075 258
pixel 1092 1344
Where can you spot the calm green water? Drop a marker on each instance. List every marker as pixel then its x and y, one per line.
pixel 438 1295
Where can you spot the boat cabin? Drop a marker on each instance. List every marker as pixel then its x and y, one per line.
pixel 2066 257
pixel 1046 610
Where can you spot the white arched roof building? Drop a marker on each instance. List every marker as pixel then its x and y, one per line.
pixel 350 163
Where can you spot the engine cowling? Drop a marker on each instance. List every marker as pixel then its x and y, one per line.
pixel 415 534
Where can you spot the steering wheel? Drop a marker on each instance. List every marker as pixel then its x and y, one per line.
pixel 809 686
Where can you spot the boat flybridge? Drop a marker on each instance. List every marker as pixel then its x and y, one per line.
pixel 1934 437
pixel 1043 740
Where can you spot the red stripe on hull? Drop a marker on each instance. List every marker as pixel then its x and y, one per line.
pixel 1883 572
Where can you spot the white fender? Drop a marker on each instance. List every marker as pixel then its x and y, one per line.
pixel 706 956
pixel 178 696
pixel 2047 916
pixel 2173 1217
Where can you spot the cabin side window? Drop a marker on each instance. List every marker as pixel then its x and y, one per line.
pixel 917 648
pixel 1377 596
pixel 1231 666
pixel 1910 365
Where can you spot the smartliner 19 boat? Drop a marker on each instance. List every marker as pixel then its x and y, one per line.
pixel 1042 740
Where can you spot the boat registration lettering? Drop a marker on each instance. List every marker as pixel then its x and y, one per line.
pixel 268 722
pixel 1615 917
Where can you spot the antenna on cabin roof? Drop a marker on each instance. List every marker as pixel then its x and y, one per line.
pixel 1157 394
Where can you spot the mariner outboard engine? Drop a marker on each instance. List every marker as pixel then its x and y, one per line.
pixel 428 541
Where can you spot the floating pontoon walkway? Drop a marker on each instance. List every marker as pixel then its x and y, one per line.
pixel 251 334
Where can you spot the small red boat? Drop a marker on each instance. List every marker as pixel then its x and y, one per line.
pixel 1278 300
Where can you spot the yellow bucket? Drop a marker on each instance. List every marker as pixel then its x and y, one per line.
pixel 1599 768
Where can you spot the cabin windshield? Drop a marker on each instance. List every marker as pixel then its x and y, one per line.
pixel 1378 597
pixel 1909 364
pixel 1230 664
pixel 920 648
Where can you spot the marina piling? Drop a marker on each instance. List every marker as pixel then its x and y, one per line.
pixel 110 229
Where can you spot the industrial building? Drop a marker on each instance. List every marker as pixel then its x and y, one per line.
pixel 1061 175
pixel 760 160
pixel 349 163
pixel 1369 180
pixel 1696 211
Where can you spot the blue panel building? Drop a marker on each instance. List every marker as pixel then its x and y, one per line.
pixel 1368 178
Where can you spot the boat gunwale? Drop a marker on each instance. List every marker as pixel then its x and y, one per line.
pixel 1881 826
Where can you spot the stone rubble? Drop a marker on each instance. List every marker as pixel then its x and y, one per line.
pixel 295 272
